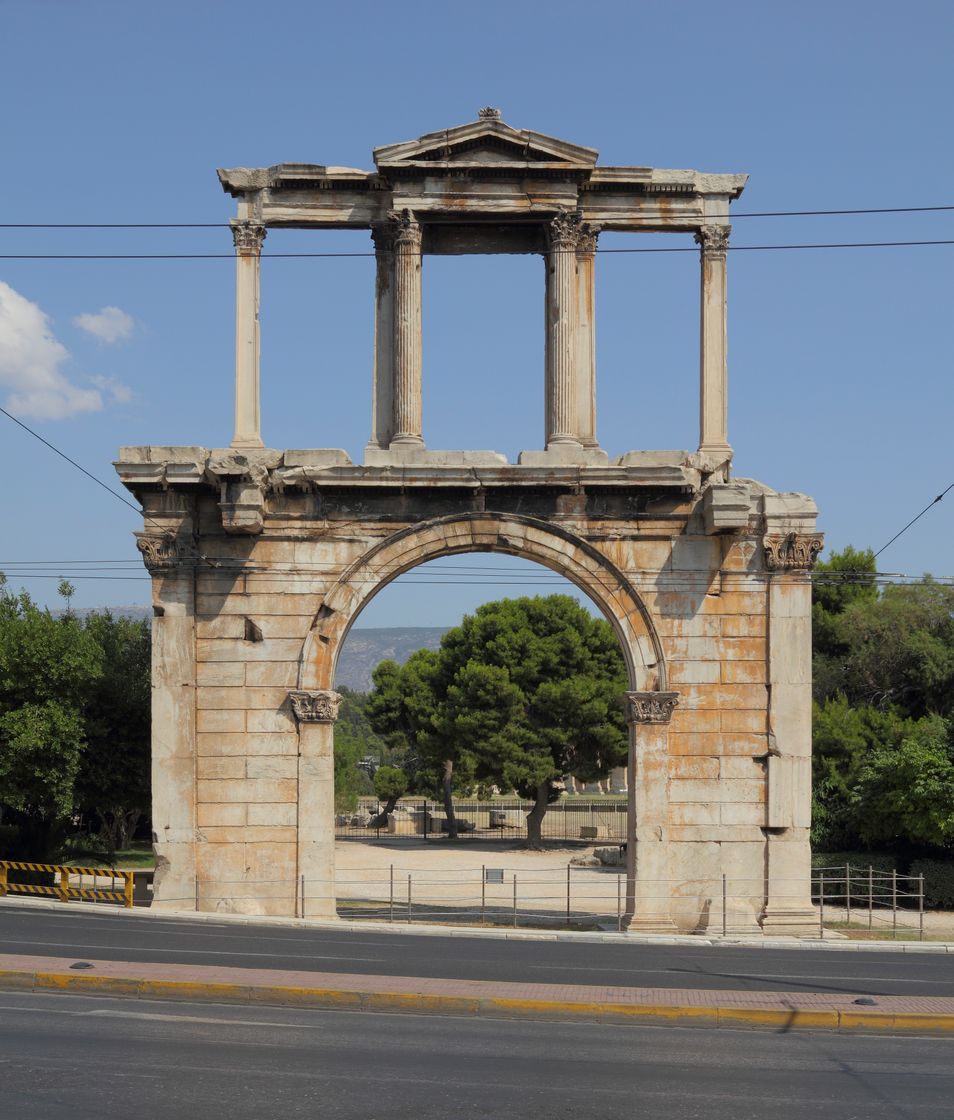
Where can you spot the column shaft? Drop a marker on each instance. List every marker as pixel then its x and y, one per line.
pixel 562 348
pixel 407 333
pixel 586 338
pixel 382 399
pixel 713 372
pixel 248 238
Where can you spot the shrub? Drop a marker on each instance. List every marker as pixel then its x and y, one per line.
pixel 938 881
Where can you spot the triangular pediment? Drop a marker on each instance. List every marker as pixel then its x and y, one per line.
pixel 485 142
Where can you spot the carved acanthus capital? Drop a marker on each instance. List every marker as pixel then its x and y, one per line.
pixel 161 552
pixel 382 234
pixel 319 706
pixel 650 707
pixel 565 229
pixel 586 242
pixel 248 238
pixel 405 231
pixel 714 241
pixel 794 552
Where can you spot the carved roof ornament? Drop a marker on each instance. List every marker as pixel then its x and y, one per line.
pixel 319 706
pixel 488 113
pixel 650 707
pixel 160 552
pixel 248 237
pixel 714 241
pixel 794 552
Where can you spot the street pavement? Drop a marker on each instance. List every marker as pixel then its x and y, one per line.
pixel 83 1058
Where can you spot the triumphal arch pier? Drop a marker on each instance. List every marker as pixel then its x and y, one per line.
pixel 261 559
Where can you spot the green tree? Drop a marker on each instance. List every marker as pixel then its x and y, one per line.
pixel 114 775
pixel 47 666
pixel 354 741
pixel 390 785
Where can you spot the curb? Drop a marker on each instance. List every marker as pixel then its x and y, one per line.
pixel 417 1003
pixel 422 929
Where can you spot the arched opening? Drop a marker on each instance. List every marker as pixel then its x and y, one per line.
pixel 553 549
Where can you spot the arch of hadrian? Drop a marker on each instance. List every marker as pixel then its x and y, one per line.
pixel 262 559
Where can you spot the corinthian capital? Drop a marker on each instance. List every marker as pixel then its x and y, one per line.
pixel 405 230
pixel 794 552
pixel 248 238
pixel 714 241
pixel 564 231
pixel 586 242
pixel 160 551
pixel 650 707
pixel 319 706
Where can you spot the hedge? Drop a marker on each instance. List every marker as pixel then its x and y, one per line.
pixel 938 881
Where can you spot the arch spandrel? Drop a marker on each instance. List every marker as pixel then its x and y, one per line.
pixel 551 546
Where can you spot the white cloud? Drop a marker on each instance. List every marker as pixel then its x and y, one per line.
pixel 118 392
pixel 109 325
pixel 30 361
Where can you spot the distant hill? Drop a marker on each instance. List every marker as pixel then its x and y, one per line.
pixel 363 648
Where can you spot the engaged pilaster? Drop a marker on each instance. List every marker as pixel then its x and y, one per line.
pixel 713 241
pixel 316 712
pixel 562 358
pixel 248 238
pixel 407 332
pixel 586 335
pixel 382 397
pixel 648 888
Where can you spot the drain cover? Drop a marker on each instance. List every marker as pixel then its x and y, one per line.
pixel 866 1002
pixel 81 964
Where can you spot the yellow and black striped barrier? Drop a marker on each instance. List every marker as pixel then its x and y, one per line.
pixel 64 889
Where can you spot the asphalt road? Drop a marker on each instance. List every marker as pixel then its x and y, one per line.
pixel 84 1058
pixel 111 936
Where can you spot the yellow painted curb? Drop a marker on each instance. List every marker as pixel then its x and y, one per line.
pixel 491 1006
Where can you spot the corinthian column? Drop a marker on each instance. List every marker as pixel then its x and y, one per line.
pixel 562 357
pixel 713 382
pixel 316 712
pixel 382 398
pixel 647 831
pixel 586 335
pixel 248 238
pixel 407 332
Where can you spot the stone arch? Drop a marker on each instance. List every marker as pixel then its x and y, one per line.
pixel 547 544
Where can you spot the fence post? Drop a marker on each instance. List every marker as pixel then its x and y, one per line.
pixel 391 903
pixel 425 818
pixel 64 885
pixel 567 893
pixel 483 894
pixel 724 899
pixel 515 900
pixel 870 896
pixel 848 891
pixel 409 898
pixel 894 903
pixel 619 904
pixel 303 896
pixel 821 904
pixel 920 908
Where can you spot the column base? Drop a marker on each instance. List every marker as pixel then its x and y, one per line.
pixel 799 920
pixel 247 443
pixel 649 923
pixel 408 443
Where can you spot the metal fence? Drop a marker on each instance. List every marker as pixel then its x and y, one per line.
pixel 860 898
pixel 570 819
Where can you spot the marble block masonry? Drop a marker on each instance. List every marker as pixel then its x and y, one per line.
pixel 262 559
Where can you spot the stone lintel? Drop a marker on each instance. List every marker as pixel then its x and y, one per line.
pixel 315 706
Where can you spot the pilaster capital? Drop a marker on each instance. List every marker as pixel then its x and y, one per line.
pixel 793 552
pixel 650 707
pixel 382 234
pixel 319 706
pixel 161 552
pixel 248 238
pixel 565 229
pixel 405 231
pixel 586 242
pixel 714 241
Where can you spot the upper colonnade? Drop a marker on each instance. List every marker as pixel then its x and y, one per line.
pixel 486 187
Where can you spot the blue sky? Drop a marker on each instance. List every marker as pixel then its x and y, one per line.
pixel 840 361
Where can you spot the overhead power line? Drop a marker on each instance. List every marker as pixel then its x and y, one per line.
pixel 643 213
pixel 913 519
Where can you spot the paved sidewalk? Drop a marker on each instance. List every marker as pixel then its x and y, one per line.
pixel 491 999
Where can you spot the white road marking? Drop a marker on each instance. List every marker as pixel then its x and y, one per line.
pixel 90 949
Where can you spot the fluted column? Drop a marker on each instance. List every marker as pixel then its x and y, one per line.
pixel 648 889
pixel 713 374
pixel 586 335
pixel 316 712
pixel 248 238
pixel 407 332
pixel 382 397
pixel 562 351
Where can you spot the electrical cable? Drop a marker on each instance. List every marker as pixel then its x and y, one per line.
pixel 913 519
